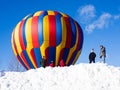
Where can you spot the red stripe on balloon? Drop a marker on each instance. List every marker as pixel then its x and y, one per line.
pixel 69 32
pixel 56 13
pixel 33 56
pixel 24 60
pixel 34 27
pixel 21 36
pixel 47 55
pixel 52 30
pixel 61 54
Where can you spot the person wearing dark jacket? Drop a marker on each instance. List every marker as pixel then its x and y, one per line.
pixel 92 56
pixel 43 62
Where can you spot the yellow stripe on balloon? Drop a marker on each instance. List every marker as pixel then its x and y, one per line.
pixel 28 33
pixel 26 17
pixel 76 57
pixel 78 53
pixel 63 42
pixel 17 40
pixel 37 13
pixel 73 48
pixel 13 44
pixel 64 15
pixel 51 13
pixel 45 35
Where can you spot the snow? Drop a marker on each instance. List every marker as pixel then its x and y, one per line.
pixel 83 76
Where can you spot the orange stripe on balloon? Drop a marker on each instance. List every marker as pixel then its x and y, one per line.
pixel 34 27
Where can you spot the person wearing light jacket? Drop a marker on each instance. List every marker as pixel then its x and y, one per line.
pixel 102 53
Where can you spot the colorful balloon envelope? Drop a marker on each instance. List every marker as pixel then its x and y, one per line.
pixel 52 34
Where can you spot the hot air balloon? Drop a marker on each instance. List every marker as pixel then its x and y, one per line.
pixel 52 34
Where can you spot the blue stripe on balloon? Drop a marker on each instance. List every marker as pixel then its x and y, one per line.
pixel 23 31
pixel 73 32
pixel 72 59
pixel 37 56
pixel 81 42
pixel 58 29
pixel 81 36
pixel 51 54
pixel 40 27
pixel 28 59
pixel 65 54
pixel 22 62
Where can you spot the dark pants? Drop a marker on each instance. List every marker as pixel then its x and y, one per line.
pixel 92 61
pixel 103 59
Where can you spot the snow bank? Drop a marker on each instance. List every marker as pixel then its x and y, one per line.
pixel 96 76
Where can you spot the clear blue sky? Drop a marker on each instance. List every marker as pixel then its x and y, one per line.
pixel 99 19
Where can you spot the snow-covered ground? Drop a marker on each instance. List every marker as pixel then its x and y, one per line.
pixel 96 76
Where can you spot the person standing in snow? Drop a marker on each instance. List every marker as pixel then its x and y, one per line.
pixel 102 53
pixel 92 56
pixel 43 62
pixel 61 63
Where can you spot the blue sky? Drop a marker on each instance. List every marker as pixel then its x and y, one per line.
pixel 99 19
